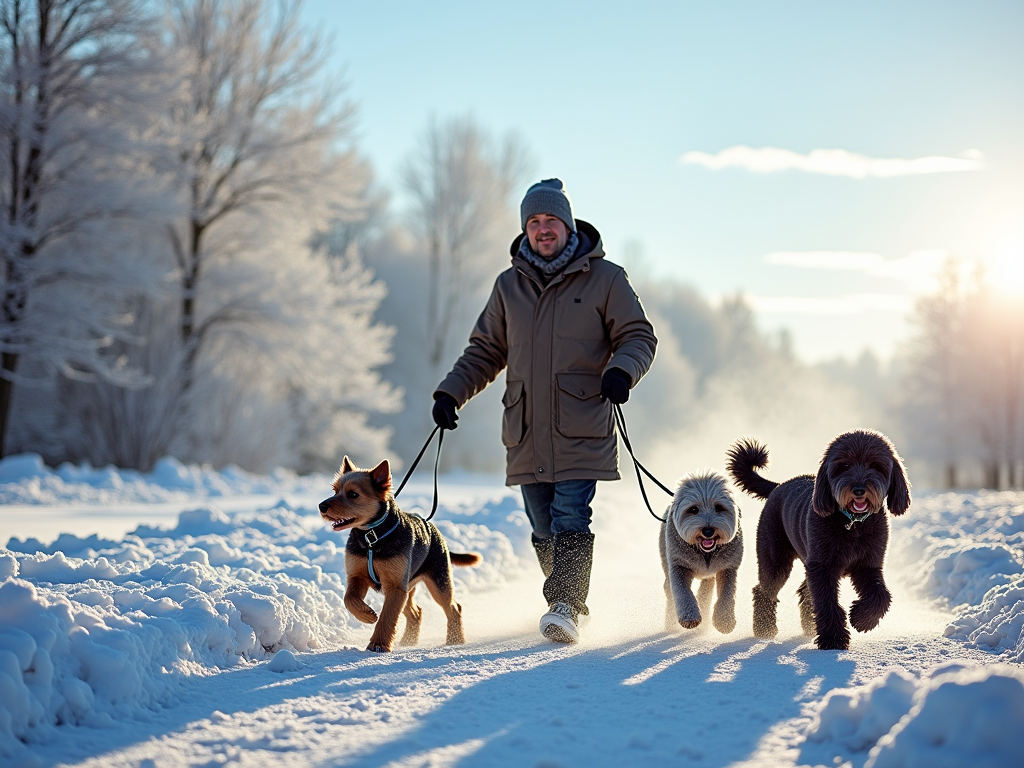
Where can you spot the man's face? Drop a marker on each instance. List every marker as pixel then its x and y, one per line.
pixel 547 234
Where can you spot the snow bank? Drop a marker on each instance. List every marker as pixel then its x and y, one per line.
pixel 952 716
pixel 92 629
pixel 25 479
pixel 966 550
pixel 856 718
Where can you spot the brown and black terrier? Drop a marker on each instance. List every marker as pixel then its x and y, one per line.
pixel 391 551
pixel 835 523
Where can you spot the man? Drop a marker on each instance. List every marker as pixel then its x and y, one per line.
pixel 573 334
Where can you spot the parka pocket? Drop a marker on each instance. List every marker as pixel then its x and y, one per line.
pixel 512 425
pixel 581 411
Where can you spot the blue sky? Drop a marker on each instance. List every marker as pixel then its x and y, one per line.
pixel 611 98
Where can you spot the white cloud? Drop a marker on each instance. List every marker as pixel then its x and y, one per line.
pixel 832 162
pixel 848 304
pixel 917 270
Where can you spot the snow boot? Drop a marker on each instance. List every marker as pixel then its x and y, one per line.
pixel 545 553
pixel 567 587
pixel 560 624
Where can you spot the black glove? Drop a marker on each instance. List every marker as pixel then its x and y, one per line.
pixel 444 411
pixel 615 386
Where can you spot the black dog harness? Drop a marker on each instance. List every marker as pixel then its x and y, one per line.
pixel 372 538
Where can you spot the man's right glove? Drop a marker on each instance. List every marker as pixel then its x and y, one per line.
pixel 615 385
pixel 444 411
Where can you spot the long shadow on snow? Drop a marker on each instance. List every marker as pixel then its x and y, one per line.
pixel 249 689
pixel 663 700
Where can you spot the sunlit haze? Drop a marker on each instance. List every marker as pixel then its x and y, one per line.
pixel 820 159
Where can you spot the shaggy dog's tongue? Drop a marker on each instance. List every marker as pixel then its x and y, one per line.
pixel 860 506
pixel 707 544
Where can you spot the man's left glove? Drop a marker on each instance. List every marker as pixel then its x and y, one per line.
pixel 444 411
pixel 615 385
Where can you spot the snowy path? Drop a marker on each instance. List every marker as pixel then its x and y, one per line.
pixel 629 694
pixel 658 698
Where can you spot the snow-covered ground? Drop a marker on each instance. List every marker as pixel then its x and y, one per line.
pixel 192 617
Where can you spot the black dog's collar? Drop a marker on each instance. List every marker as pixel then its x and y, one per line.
pixel 854 518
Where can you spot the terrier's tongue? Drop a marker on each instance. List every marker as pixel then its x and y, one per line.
pixel 708 543
pixel 860 505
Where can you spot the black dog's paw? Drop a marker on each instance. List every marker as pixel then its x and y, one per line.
pixel 833 642
pixel 378 648
pixel 764 629
pixel 863 618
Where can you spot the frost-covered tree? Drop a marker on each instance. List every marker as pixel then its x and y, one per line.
pixel 255 129
pixel 934 391
pixel 964 384
pixel 993 377
pixel 263 351
pixel 259 144
pixel 460 183
pixel 75 82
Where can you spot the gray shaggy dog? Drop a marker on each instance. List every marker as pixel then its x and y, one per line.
pixel 701 539
pixel 835 523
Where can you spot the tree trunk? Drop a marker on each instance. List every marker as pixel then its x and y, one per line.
pixel 991 475
pixel 10 364
pixel 950 475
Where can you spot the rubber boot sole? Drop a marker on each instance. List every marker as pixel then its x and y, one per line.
pixel 557 629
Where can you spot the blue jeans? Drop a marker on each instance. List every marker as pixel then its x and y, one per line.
pixel 559 507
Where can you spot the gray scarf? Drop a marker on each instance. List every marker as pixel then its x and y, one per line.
pixel 550 268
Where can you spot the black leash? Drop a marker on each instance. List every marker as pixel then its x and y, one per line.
pixel 437 461
pixel 620 422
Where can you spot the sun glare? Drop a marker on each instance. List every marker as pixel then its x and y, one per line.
pixel 1004 271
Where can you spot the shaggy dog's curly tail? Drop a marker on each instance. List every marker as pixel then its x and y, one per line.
pixel 744 457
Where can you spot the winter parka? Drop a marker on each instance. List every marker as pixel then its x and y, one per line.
pixel 557 340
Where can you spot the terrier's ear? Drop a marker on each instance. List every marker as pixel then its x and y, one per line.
pixel 898 496
pixel 381 476
pixel 822 501
pixel 347 465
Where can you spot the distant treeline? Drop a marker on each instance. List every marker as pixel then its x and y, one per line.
pixel 960 397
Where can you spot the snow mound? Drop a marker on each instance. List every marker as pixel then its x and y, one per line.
pixel 856 718
pixel 961 717
pixel 25 479
pixel 964 550
pixel 93 631
pixel 997 624
pixel 952 716
pixel 284 661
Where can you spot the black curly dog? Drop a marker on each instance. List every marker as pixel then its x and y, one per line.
pixel 835 523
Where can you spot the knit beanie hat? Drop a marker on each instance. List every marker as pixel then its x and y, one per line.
pixel 548 196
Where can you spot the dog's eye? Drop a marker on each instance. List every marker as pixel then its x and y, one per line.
pixel 843 467
pixel 719 508
pixel 352 495
pixel 692 510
